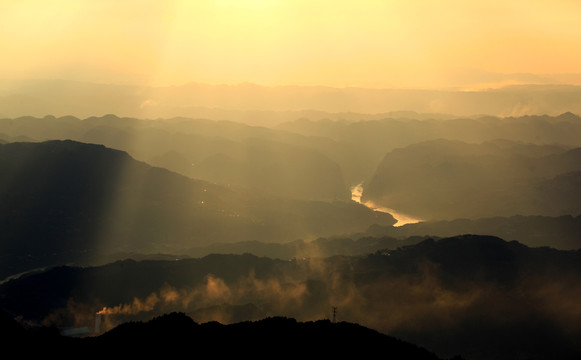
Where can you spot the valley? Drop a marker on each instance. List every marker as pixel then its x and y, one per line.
pixel 94 234
pixel 290 179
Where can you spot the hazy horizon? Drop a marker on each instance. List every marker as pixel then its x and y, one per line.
pixel 369 44
pixel 269 106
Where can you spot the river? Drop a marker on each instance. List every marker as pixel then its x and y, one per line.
pixel 402 219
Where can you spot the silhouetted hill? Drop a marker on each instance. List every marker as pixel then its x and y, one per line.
pixel 373 139
pixel 444 180
pixel 359 244
pixel 356 144
pixel 395 131
pixel 491 298
pixel 175 334
pixel 560 232
pixel 218 151
pixel 477 296
pixel 228 153
pixel 268 337
pixel 64 201
pixel 274 168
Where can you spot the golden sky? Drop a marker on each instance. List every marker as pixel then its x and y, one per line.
pixel 389 43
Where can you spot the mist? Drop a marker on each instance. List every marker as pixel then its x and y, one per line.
pixel 413 168
pixel 139 211
pixel 457 295
pixel 271 105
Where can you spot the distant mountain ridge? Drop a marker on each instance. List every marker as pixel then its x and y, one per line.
pixel 356 144
pixel 60 97
pixel 447 179
pixel 225 152
pixel 560 232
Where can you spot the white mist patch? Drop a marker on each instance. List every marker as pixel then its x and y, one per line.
pixel 402 219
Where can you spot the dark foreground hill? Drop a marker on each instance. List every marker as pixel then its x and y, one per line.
pixel 477 296
pixel 177 334
pixel 561 232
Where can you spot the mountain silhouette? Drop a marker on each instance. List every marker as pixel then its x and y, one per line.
pixel 176 334
pixel 152 230
pixel 477 296
pixel 262 105
pixel 355 143
pixel 63 201
pixel 560 232
pixel 372 139
pixel 218 151
pixel 445 179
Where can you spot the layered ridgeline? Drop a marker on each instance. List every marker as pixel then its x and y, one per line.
pixel 447 179
pixel 477 296
pixel 64 201
pixel 305 158
pixel 268 105
pixel 225 152
pixel 377 137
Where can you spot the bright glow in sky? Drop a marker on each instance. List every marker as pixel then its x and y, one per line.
pixel 385 43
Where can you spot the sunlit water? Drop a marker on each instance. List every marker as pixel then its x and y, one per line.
pixel 402 219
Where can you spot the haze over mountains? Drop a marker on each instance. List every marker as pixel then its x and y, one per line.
pixel 233 221
pixel 477 296
pixel 67 198
pixel 529 164
pixel 270 105
pixel 318 179
pixel 443 179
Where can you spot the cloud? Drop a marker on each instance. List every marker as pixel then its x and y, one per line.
pixel 148 103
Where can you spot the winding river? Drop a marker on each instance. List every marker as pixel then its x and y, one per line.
pixel 402 219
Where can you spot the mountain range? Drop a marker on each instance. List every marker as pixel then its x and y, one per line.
pixel 476 296
pixel 447 179
pixel 175 333
pixel 340 153
pixel 118 221
pixel 67 201
pixel 264 105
